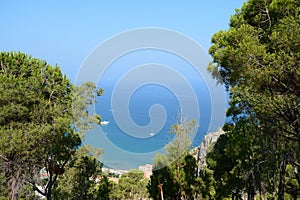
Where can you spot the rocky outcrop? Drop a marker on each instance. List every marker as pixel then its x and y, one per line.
pixel 201 151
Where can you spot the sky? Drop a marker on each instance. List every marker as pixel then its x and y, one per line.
pixel 65 32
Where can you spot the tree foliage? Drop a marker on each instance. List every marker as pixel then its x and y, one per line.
pixel 258 61
pixel 80 178
pixel 42 118
pixel 174 174
pixel 36 116
pixel 131 185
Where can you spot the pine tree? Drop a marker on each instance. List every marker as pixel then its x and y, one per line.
pixel 258 61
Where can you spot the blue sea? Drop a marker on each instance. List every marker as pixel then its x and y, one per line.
pixel 139 109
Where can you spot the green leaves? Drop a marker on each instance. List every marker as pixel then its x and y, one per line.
pixel 175 172
pixel 132 185
pixel 258 60
pixel 38 126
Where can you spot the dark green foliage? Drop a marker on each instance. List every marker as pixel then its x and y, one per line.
pixel 103 190
pixel 79 180
pixel 3 186
pixel 174 174
pixel 42 116
pixel 222 165
pixel 162 178
pixel 85 177
pixel 258 60
pixel 35 131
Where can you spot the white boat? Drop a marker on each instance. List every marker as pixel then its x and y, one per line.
pixel 105 122
pixel 152 133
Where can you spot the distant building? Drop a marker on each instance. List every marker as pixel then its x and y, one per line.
pixel 44 174
pixel 113 174
pixel 147 169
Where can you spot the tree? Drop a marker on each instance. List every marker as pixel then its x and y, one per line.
pixel 3 185
pixel 161 182
pixel 83 98
pixel 38 129
pixel 174 174
pixel 205 184
pixel 61 155
pixel 133 185
pixel 292 185
pixel 80 178
pixel 221 164
pixel 85 177
pixel 35 104
pixel 258 61
pixel 103 189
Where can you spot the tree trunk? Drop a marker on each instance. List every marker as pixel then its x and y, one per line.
pixel 282 180
pixel 260 191
pixel 12 180
pixel 49 188
pixel 297 174
pixel 251 193
pixel 49 194
pixel 160 187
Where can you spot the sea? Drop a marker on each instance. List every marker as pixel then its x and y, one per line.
pixel 141 103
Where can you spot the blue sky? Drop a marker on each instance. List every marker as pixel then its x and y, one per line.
pixel 64 32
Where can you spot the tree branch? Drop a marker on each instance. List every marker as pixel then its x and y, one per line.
pixel 4 158
pixel 35 188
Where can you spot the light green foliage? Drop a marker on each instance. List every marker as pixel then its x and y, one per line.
pixel 174 174
pixel 79 180
pixel 180 146
pixel 292 185
pixel 116 193
pixel 258 61
pixel 84 97
pixel 84 165
pixel 132 185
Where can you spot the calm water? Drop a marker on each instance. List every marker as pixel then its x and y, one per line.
pixel 139 105
pixel 122 144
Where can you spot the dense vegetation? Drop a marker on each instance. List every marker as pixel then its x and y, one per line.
pixel 43 121
pixel 44 117
pixel 258 59
pixel 175 174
